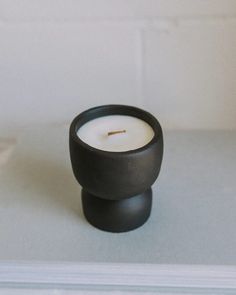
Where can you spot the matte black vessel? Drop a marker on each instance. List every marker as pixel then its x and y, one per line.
pixel 116 194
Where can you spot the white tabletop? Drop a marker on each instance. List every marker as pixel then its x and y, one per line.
pixel 193 218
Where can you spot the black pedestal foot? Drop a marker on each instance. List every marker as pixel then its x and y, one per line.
pixel 117 215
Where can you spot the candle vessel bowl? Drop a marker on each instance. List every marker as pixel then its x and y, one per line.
pixel 116 186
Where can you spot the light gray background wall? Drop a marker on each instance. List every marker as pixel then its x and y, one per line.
pixel 176 58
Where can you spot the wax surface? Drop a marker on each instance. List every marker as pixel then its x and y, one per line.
pixel 95 133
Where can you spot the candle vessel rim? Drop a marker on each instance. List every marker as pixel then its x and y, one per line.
pixel 115 109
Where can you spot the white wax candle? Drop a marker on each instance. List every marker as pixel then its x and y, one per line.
pixel 95 133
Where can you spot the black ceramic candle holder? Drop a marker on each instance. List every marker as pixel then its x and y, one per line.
pixel 116 186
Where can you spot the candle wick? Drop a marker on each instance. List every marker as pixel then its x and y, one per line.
pixel 116 132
